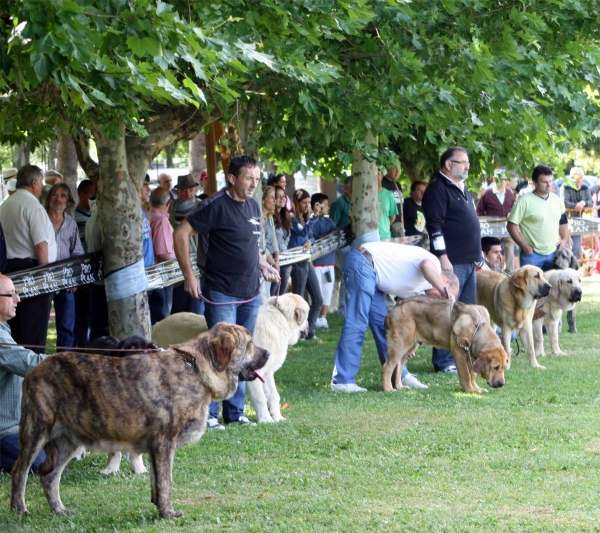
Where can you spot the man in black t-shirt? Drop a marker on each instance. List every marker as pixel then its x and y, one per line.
pixel 414 216
pixel 228 225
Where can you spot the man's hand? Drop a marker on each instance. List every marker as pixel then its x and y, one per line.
pixel 446 264
pixel 526 249
pixel 192 287
pixel 306 246
pixel 410 355
pixel 580 205
pixel 562 243
pixel 269 273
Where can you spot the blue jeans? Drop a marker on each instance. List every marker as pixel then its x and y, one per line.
pixel 576 248
pixel 64 311
pixel 304 278
pixel 542 261
pixel 365 307
pixel 183 302
pixel 160 301
pixel 242 315
pixel 9 451
pixel 468 294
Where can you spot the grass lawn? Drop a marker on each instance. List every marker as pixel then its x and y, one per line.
pixel 522 458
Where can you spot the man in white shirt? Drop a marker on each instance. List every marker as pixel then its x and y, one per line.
pixel 371 271
pixel 30 242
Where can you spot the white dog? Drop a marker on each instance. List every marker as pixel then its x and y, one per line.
pixel 278 326
pixel 564 295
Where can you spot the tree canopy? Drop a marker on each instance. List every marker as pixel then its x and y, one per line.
pixel 511 81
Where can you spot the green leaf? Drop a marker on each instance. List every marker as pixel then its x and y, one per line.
pixel 136 45
pixel 40 66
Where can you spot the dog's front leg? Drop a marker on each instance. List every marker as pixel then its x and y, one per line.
pixel 526 334
pixel 553 334
pixel 538 337
pixel 137 463
pixel 572 320
pixel 464 372
pixel 161 459
pixel 259 401
pixel 506 333
pixel 114 461
pixel 273 398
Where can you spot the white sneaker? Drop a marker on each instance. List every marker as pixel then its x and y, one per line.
pixel 213 423
pixel 411 381
pixel 346 387
pixel 322 323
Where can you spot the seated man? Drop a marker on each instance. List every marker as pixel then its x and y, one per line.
pixel 15 363
pixel 492 253
pixel 371 271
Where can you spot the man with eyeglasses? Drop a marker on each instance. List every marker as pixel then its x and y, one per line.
pixel 15 363
pixel 454 232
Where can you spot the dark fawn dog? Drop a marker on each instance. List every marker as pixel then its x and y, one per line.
pixel 150 402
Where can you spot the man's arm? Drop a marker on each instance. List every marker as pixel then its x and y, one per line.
pixel 515 234
pixel 181 241
pixel 41 252
pixel 432 276
pixel 268 272
pixel 563 232
pixel 434 207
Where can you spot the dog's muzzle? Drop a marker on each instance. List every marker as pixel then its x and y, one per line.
pixel 544 290
pixel 249 373
pixel 575 296
pixel 496 385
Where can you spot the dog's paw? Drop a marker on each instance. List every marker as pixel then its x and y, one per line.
pixel 538 366
pixel 171 514
pixel 560 352
pixel 108 471
pixel 279 418
pixel 540 354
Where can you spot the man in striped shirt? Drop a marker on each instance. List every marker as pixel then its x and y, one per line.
pixel 15 363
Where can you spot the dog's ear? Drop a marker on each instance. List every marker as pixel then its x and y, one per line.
pixel 221 348
pixel 481 362
pixel 520 279
pixel 462 329
pixel 556 288
pixel 573 263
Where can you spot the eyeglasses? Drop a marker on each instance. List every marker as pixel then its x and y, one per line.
pixel 466 163
pixel 11 295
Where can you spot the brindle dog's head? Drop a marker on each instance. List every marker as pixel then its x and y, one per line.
pixel 530 279
pixel 227 348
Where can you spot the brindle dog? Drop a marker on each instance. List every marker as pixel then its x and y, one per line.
pixel 152 402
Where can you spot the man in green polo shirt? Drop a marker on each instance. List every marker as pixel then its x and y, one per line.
pixel 538 223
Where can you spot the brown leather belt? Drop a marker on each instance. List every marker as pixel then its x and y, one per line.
pixel 366 253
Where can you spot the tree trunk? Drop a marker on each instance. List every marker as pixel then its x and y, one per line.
pixel 329 188
pixel 67 160
pixel 364 204
pixel 51 147
pixel 411 168
pixel 198 155
pixel 120 220
pixel 169 152
pixel 20 155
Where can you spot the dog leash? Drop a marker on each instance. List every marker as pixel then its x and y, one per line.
pixel 75 349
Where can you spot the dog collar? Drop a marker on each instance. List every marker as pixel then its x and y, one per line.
pixel 468 348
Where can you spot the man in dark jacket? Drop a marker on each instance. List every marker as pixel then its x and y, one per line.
pixel 454 231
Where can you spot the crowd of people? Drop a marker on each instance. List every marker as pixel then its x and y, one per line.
pixel 237 241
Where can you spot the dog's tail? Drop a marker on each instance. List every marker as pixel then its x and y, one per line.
pixel 51 450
